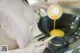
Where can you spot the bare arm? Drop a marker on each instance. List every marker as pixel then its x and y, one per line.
pixel 37 47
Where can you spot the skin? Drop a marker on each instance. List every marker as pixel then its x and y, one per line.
pixel 14 29
pixel 15 20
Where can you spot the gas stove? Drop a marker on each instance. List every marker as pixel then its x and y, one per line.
pixel 70 24
pixel 48 51
pixel 59 51
pixel 56 48
pixel 73 50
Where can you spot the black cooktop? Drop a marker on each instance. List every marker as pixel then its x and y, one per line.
pixel 58 51
pixel 47 51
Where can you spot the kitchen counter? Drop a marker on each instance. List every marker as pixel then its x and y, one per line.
pixel 71 8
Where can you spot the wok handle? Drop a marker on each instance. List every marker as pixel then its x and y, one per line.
pixel 48 39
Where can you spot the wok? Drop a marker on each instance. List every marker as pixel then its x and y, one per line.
pixel 68 23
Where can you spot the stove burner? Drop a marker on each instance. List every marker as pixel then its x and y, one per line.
pixel 58 51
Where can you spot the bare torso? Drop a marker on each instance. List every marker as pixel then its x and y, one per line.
pixel 15 23
pixel 5 40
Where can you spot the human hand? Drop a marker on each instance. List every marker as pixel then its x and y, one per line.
pixel 37 47
pixel 43 5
